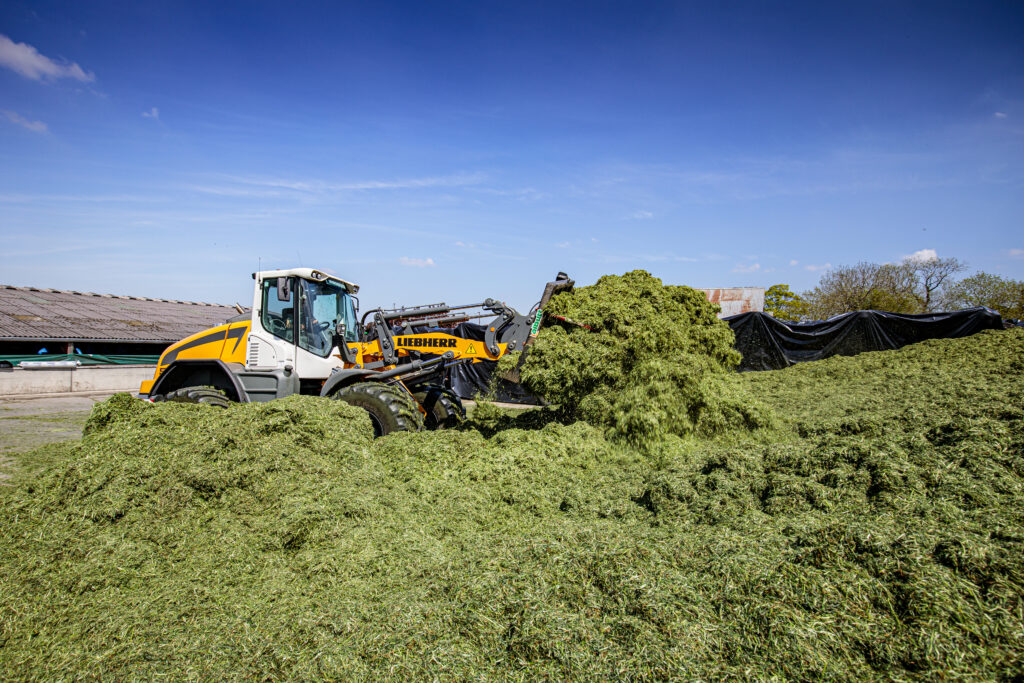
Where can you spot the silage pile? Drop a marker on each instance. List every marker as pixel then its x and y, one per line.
pixel 873 531
pixel 640 358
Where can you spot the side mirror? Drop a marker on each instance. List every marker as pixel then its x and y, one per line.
pixel 341 343
pixel 284 289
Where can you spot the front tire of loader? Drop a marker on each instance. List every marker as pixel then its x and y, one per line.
pixel 391 408
pixel 446 413
pixel 205 395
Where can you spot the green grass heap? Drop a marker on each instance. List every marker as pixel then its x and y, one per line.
pixel 874 531
pixel 643 359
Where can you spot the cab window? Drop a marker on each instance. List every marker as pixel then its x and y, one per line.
pixel 322 305
pixel 277 315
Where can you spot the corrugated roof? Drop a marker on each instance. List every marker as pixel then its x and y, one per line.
pixel 35 313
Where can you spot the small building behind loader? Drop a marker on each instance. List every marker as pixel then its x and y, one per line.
pixel 303 336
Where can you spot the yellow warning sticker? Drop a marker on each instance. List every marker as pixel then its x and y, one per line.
pixel 471 349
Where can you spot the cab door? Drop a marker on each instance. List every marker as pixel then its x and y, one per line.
pixel 272 334
pixel 319 306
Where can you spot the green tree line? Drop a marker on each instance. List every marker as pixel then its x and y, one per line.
pixel 915 285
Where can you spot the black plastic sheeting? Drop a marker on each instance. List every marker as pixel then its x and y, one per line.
pixel 469 379
pixel 770 344
pixel 767 343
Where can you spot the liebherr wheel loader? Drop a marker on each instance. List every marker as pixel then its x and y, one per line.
pixel 302 336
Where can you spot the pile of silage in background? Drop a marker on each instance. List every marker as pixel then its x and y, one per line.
pixel 874 532
pixel 642 359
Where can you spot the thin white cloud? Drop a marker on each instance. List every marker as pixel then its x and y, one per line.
pixel 524 194
pixel 815 269
pixel 50 198
pixel 320 186
pixel 642 216
pixel 1000 114
pixel 562 245
pixel 794 262
pixel 655 258
pixel 153 113
pixel 1016 252
pixel 234 191
pixel 417 262
pixel 747 268
pixel 835 171
pixel 922 255
pixel 24 59
pixel 34 126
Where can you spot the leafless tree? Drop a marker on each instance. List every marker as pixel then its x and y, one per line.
pixel 932 276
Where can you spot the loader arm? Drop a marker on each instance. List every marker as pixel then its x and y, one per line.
pixel 507 331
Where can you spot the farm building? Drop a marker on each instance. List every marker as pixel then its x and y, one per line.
pixel 736 300
pixel 50 324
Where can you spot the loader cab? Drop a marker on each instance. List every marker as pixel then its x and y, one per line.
pixel 296 317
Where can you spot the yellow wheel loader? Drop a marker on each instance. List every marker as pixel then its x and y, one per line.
pixel 303 336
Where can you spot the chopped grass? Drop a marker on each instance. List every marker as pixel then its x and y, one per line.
pixel 642 359
pixel 873 530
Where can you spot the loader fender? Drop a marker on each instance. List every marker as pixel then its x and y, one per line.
pixel 206 372
pixel 340 379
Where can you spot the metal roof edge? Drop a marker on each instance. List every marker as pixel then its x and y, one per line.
pixel 114 296
pixel 90 340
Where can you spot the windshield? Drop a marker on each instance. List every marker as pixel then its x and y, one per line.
pixel 322 305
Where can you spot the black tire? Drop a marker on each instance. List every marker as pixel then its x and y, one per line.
pixel 391 408
pixel 207 395
pixel 445 413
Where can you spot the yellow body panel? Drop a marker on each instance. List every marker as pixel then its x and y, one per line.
pixel 235 348
pixel 433 343
pixel 224 342
pixel 228 343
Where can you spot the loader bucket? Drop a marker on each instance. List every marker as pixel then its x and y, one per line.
pixel 561 283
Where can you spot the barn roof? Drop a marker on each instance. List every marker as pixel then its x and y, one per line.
pixel 36 314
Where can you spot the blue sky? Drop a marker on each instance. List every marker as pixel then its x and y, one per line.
pixel 462 150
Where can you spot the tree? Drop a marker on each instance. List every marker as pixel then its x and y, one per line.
pixel 916 285
pixel 992 291
pixel 932 275
pixel 782 303
pixel 865 286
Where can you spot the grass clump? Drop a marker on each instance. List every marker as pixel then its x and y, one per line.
pixel 644 360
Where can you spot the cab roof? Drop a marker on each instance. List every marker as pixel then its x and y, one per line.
pixel 308 274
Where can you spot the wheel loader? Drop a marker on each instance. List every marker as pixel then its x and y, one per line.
pixel 302 336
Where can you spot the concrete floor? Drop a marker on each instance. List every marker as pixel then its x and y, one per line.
pixel 26 424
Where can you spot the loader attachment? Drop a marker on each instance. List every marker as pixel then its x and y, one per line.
pixel 561 283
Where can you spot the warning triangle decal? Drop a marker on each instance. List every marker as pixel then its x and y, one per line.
pixel 471 349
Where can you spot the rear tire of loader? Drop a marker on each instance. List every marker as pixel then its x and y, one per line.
pixel 206 395
pixel 446 413
pixel 391 408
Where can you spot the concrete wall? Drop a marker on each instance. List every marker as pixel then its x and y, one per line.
pixel 94 378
